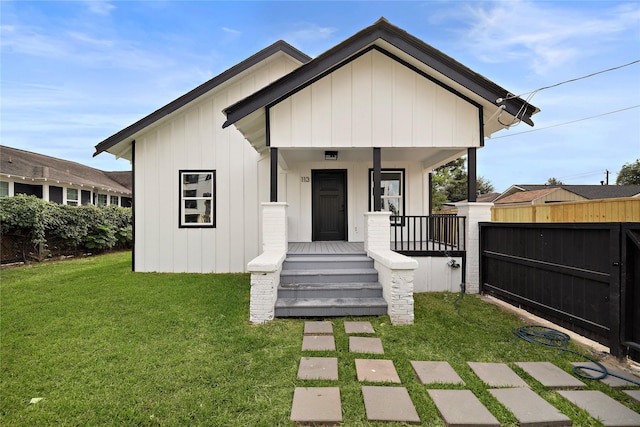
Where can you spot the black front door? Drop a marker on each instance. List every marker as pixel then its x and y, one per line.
pixel 329 204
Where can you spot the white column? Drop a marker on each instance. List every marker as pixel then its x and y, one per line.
pixel 474 213
pixel 377 231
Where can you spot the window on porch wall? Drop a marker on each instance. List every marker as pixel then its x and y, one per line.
pixel 392 183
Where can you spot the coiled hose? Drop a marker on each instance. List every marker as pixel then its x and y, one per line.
pixel 541 335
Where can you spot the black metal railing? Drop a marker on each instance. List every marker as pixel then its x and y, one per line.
pixel 428 235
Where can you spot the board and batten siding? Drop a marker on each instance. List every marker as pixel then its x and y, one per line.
pixel 193 139
pixel 374 101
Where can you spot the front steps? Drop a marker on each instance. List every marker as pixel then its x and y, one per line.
pixel 321 285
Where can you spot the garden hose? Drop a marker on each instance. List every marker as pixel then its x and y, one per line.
pixel 541 335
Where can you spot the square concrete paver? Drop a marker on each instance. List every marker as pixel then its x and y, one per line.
pixel 602 407
pixel 529 408
pixel 635 394
pixel 549 375
pixel 316 405
pixel 376 371
pixel 365 345
pixel 318 328
pixel 436 372
pixel 318 343
pixel 318 368
pixel 497 374
pixel 609 380
pixel 358 328
pixel 462 408
pixel 389 404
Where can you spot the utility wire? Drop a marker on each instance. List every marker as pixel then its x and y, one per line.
pixel 567 123
pixel 572 80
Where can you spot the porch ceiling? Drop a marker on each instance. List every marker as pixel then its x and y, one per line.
pixel 430 158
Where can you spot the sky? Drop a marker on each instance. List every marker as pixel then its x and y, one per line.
pixel 74 73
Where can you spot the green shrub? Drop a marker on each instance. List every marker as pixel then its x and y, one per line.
pixel 43 228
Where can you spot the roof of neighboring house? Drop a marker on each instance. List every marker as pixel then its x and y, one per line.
pixel 526 196
pixel 41 168
pixel 401 40
pixel 480 198
pixel 591 192
pixel 279 46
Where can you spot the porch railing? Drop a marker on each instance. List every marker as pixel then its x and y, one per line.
pixel 433 235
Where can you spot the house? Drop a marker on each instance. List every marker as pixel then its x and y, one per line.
pixel 283 148
pixel 61 181
pixel 541 194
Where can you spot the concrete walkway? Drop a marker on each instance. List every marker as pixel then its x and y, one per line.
pixel 391 402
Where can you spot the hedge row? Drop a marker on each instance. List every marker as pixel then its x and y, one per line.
pixel 40 229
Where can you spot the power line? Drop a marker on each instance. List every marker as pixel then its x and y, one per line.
pixel 567 123
pixel 569 81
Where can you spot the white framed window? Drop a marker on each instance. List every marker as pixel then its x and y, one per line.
pixel 72 196
pixel 392 183
pixel 113 200
pixel 101 200
pixel 4 189
pixel 197 198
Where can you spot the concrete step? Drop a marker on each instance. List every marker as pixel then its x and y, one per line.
pixel 335 275
pixel 323 307
pixel 330 290
pixel 319 262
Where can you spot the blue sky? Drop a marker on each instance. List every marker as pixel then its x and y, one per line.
pixel 74 73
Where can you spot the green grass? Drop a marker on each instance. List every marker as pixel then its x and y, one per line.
pixel 104 346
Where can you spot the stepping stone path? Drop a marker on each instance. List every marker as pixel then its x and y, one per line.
pixel 388 403
pixel 609 380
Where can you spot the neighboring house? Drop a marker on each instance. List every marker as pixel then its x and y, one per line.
pixel 451 209
pixel 541 194
pixel 61 181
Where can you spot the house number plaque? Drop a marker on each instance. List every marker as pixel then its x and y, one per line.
pixel 304 179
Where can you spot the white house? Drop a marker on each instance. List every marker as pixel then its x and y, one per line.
pixel 283 149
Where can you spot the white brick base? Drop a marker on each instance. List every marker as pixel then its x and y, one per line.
pixel 474 213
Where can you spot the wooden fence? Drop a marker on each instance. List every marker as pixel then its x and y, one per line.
pixel 625 209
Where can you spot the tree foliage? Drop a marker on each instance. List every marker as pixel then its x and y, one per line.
pixel 42 228
pixel 629 174
pixel 553 181
pixel 449 183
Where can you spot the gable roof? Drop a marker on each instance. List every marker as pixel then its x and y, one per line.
pixel 526 196
pixel 401 40
pixel 591 192
pixel 279 46
pixel 40 168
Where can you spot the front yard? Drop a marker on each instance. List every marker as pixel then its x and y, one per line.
pixel 104 346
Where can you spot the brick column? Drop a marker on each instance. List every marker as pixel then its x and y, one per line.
pixel 275 235
pixel 474 213
pixel 377 231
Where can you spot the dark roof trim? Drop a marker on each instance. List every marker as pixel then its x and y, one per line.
pixel 400 39
pixel 279 46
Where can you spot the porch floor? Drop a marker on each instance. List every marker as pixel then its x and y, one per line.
pixel 327 247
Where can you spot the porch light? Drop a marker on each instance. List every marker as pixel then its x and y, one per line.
pixel 331 155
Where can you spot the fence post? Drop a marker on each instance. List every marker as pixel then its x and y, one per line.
pixel 474 213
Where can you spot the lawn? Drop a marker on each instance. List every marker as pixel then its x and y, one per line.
pixel 104 346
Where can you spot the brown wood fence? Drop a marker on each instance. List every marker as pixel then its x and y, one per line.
pixel 625 209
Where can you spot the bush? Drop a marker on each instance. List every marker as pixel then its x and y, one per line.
pixel 44 228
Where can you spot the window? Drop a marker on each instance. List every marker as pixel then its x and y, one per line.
pixel 72 197
pixel 392 183
pixel 197 199
pixel 101 200
pixel 113 200
pixel 4 189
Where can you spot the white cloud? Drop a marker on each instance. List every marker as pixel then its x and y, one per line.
pixel 548 37
pixel 231 31
pixel 100 7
